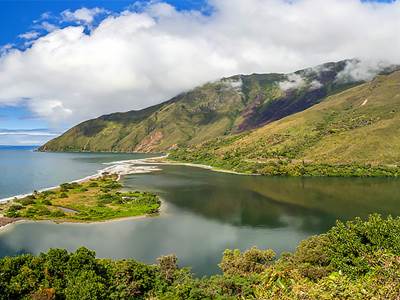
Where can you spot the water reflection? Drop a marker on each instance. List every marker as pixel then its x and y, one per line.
pixel 258 201
pixel 207 212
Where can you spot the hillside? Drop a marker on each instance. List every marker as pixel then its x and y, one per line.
pixel 355 133
pixel 227 106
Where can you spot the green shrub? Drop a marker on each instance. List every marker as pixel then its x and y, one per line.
pixel 351 243
pixel 46 202
pixel 353 260
pixel 27 201
pixel 69 186
pixel 58 213
pixel 253 260
pixel 13 211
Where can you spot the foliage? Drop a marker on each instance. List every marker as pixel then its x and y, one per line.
pixel 353 260
pixel 85 201
pixel 251 261
pixel 281 167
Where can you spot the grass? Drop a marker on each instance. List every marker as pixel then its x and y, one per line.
pixel 94 200
pixel 353 133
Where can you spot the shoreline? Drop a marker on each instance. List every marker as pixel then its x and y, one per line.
pixel 161 160
pixel 121 169
pixel 118 171
pixel 12 223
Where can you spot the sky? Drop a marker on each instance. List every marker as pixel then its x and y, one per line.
pixel 63 62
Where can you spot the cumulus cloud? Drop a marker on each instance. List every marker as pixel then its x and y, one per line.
pixel 138 58
pixel 4 49
pixel 47 26
pixel 82 15
pixel 29 35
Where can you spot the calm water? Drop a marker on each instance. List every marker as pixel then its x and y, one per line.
pixel 206 212
pixel 23 170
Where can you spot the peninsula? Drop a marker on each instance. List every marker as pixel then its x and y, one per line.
pixel 97 199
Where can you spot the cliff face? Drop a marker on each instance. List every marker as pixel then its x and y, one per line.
pixel 230 105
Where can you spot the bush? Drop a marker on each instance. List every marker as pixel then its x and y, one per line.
pixel 352 242
pixel 63 195
pixel 311 257
pixel 13 211
pixel 57 213
pixel 48 193
pixel 251 261
pixel 113 185
pixel 107 198
pixel 168 267
pixel 69 186
pixel 353 260
pixel 27 201
pixel 46 202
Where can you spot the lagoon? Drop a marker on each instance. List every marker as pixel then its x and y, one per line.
pixel 205 212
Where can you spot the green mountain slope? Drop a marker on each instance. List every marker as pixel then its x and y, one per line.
pixel 227 106
pixel 355 132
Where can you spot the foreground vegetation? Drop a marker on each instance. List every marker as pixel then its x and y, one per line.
pixel 353 133
pixel 353 260
pixel 97 199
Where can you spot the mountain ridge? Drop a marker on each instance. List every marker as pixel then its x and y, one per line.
pixel 352 133
pixel 231 105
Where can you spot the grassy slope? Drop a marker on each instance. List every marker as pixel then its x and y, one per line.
pixel 359 126
pixel 215 109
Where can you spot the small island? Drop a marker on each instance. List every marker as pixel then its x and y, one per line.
pixel 97 199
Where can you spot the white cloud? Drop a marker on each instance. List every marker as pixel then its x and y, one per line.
pixel 365 70
pixel 136 59
pixel 29 35
pixel 232 83
pixel 5 48
pixel 49 27
pixel 82 15
pixel 293 81
pixel 25 136
pixel 315 85
pixel 46 15
pixel 30 132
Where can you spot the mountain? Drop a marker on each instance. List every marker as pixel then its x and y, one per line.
pixel 227 106
pixel 355 132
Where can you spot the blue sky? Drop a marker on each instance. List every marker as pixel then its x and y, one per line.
pixel 18 17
